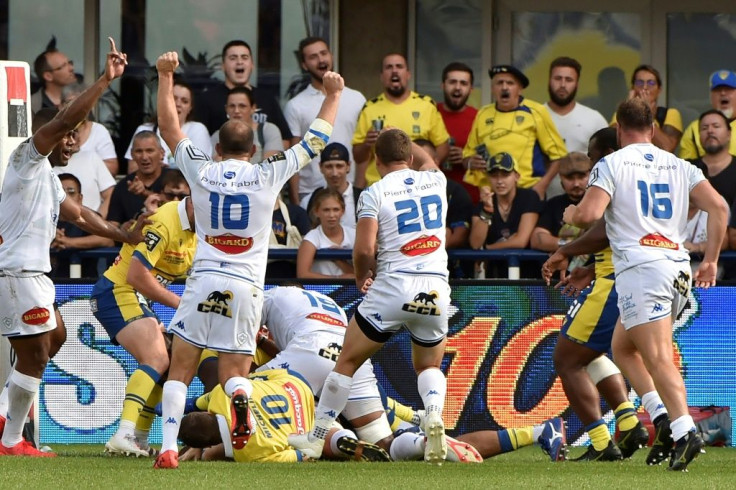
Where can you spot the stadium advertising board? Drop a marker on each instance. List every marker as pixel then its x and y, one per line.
pixel 498 361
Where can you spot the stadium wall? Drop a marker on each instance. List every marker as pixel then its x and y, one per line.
pixel 498 362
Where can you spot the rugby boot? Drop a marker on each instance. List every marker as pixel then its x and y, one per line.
pixel 630 441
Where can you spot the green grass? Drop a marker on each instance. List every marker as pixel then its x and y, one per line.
pixel 84 466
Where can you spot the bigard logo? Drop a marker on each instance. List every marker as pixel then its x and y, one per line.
pixel 659 241
pixel 421 246
pixel 229 243
pixel 36 316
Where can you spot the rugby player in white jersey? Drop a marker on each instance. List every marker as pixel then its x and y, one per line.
pixel 32 200
pixel 402 219
pixel 644 193
pixel 233 199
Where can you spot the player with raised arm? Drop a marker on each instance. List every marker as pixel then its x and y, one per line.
pixel 644 193
pixel 32 200
pixel 233 199
pixel 400 239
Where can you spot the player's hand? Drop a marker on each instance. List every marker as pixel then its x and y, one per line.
pixel 191 454
pixel 167 62
pixel 579 279
pixel 333 83
pixel 133 231
pixel 569 213
pixel 152 202
pixel 116 61
pixel 556 262
pixel 705 276
pixel 364 284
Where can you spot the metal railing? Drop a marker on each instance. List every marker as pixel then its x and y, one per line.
pixel 513 257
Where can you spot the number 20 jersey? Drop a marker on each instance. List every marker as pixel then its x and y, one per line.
pixel 650 192
pixel 411 209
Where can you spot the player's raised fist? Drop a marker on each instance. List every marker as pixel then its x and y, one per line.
pixel 333 82
pixel 167 62
pixel 116 61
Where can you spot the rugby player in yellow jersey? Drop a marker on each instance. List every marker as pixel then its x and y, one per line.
pixel 585 337
pixel 282 403
pixel 120 302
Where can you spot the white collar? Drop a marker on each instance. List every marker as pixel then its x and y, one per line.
pixel 182 208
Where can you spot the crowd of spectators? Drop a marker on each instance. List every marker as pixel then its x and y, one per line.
pixel 512 165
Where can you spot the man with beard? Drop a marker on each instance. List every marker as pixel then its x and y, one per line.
pixel 397 107
pixel 457 83
pixel 717 163
pixel 551 232
pixel 517 126
pixel 300 111
pixel 722 98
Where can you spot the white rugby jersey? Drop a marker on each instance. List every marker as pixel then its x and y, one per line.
pixel 410 207
pixel 650 192
pixel 233 203
pixel 291 313
pixel 29 211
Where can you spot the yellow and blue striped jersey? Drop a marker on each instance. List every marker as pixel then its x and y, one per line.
pixel 167 249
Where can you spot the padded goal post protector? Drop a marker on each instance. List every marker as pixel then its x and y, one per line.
pixel 15 108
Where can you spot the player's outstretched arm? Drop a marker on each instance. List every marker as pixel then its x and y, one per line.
pixel 92 223
pixel 168 120
pixel 50 134
pixel 593 240
pixel 333 84
pixel 422 159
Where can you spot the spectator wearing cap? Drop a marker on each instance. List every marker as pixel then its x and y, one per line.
pixel 518 126
pixel 722 98
pixel 646 83
pixel 717 164
pixel 506 214
pixel 334 164
pixel 551 231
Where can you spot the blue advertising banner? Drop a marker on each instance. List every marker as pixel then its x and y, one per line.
pixel 498 361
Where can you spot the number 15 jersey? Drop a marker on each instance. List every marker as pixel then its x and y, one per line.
pixel 410 207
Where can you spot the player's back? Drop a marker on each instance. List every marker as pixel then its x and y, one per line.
pixel 291 313
pixel 233 206
pixel 411 209
pixel 648 212
pixel 281 404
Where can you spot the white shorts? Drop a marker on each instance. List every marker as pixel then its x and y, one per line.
pixel 417 302
pixel 651 291
pixel 314 357
pixel 27 305
pixel 219 312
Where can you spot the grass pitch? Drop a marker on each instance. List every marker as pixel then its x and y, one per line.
pixel 85 466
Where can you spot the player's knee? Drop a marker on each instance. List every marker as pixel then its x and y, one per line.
pixel 601 368
pixel 376 432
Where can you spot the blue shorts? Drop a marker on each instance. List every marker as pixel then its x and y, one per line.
pixel 592 316
pixel 116 306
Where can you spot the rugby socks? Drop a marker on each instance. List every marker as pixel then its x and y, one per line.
pixel 408 446
pixel 681 426
pixel 513 439
pixel 174 398
pixel 337 435
pixel 137 391
pixel 21 391
pixel 653 404
pixel 332 402
pixel 4 395
pixel 148 414
pixel 599 435
pixel 238 383
pixel 406 414
pixel 626 418
pixel 432 386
